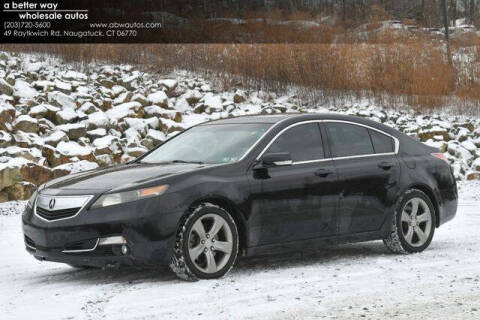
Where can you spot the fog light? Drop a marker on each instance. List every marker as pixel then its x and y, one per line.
pixel 124 249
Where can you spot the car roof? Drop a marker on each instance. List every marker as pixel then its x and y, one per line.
pixel 289 118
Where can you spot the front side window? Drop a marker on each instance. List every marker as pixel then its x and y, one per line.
pixel 303 142
pixel 221 143
pixel 349 140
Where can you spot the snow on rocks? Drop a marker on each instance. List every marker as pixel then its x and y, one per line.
pixel 74 131
pixel 123 110
pixel 98 120
pixel 158 98
pixel 66 115
pixel 74 167
pixel 23 89
pixel 55 137
pixel 61 100
pixel 73 149
pixel 5 139
pixel 25 123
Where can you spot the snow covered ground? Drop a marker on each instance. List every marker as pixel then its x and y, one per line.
pixel 341 282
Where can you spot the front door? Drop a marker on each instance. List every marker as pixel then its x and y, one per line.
pixel 298 201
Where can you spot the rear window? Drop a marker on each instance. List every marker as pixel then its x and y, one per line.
pixel 349 140
pixel 381 143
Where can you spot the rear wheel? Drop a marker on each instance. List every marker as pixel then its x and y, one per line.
pixel 413 225
pixel 207 244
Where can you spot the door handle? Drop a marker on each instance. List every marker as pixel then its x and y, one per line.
pixel 385 165
pixel 323 172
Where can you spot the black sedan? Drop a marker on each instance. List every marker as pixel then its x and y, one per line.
pixel 245 186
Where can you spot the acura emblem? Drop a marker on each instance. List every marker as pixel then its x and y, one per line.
pixel 51 204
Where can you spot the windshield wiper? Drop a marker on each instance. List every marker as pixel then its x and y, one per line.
pixel 186 161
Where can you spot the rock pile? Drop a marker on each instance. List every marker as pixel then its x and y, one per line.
pixel 55 120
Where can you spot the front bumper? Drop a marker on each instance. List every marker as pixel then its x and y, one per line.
pixel 149 236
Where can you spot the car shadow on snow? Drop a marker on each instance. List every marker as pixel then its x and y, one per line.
pixel 321 256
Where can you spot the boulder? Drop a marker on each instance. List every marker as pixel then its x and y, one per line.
pixel 54 157
pixel 97 133
pixel 147 143
pixel 75 167
pixel 26 123
pixel 55 137
pixel 38 112
pixel 136 152
pixel 122 98
pixel 239 96
pixel 20 191
pixel 73 130
pixel 62 100
pixel 66 115
pixel 473 175
pixel 123 110
pixel 158 98
pixel 156 136
pixel 10 171
pixel 7 114
pixel 193 96
pixel 31 154
pixel 36 174
pixel 3 196
pixel 107 145
pixel 5 88
pixel 140 98
pixel 5 139
pixel 73 149
pixel 104 160
pixel 23 90
pixel 88 108
pixel 426 134
pixel 27 139
pixel 98 120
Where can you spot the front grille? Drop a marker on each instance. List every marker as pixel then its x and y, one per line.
pixel 56 214
pixel 29 243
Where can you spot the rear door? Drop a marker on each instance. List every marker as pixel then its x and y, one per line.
pixel 368 169
pixel 297 201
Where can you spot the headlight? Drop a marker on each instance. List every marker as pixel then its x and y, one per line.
pixel 31 201
pixel 129 196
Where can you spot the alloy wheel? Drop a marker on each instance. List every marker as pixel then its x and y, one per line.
pixel 416 222
pixel 210 243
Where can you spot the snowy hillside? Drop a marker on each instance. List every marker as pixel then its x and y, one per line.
pixel 56 120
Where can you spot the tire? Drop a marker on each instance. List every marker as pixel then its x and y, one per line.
pixel 197 253
pixel 412 231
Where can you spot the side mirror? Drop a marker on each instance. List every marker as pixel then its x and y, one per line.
pixel 277 159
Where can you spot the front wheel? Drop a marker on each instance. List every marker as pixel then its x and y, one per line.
pixel 413 225
pixel 207 244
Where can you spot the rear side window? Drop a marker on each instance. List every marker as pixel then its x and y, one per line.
pixel 303 142
pixel 348 139
pixel 381 143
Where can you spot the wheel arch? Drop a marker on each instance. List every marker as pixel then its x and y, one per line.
pixel 233 210
pixel 431 195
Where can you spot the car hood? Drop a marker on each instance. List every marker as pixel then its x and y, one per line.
pixel 114 178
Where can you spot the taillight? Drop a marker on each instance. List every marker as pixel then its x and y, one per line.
pixel 440 156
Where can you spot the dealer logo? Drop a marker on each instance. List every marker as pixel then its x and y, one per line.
pixel 51 204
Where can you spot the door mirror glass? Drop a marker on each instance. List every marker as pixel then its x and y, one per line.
pixel 277 159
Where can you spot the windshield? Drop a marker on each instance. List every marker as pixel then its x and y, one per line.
pixel 221 143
